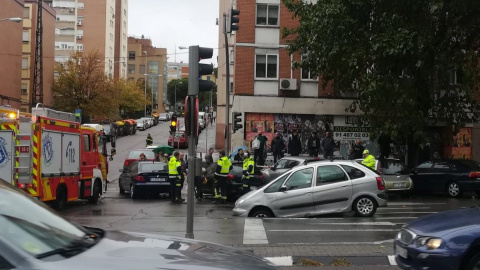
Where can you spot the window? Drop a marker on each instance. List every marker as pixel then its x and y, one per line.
pixel 80 47
pixel 141 69
pixel 391 167
pixel 26 12
pixel 4 265
pixel 354 173
pixel 281 164
pixel 276 185
pixel 300 179
pixel 292 164
pixel 153 67
pixel 24 63
pixel 267 14
pixel 131 69
pixel 441 166
pixel 425 165
pixel 131 55
pixel 306 74
pixel 24 89
pixel 266 66
pixel 329 175
pixel 26 36
pixel 455 77
pixel 86 143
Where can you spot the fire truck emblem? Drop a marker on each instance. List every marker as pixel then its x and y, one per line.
pixel 4 155
pixel 47 150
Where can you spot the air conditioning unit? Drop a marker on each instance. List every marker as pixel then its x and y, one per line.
pixel 79 22
pixel 71 10
pixel 79 37
pixel 288 84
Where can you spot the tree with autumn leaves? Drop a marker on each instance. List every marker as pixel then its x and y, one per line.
pixel 82 84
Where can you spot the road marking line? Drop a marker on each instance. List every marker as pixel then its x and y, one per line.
pixel 358 223
pixel 412 203
pixel 281 261
pixel 336 230
pixel 395 217
pixel 391 260
pixel 254 232
pixel 339 243
pixel 389 213
pixel 404 208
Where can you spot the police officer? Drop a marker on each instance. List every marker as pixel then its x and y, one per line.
pixel 248 171
pixel 223 168
pixel 175 176
pixel 368 159
pixel 149 140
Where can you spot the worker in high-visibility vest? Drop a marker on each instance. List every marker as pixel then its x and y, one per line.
pixel 224 165
pixel 175 176
pixel 248 171
pixel 368 159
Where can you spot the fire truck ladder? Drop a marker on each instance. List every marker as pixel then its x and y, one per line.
pixel 24 151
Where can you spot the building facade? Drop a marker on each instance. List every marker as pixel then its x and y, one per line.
pixel 142 54
pixel 10 53
pixel 121 39
pixel 28 53
pixel 89 26
pixel 173 71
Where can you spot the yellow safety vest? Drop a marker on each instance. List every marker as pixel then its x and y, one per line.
pixel 369 161
pixel 225 163
pixel 246 163
pixel 172 166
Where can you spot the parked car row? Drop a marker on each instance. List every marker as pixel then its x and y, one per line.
pixel 146 123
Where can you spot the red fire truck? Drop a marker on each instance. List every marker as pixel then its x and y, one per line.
pixel 52 157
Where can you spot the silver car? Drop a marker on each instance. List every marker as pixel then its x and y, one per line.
pixel 320 187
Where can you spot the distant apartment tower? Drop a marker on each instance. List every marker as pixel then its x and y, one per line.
pixel 173 71
pixel 30 10
pixel 89 26
pixel 142 54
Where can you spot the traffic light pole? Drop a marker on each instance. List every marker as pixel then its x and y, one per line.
pixel 227 89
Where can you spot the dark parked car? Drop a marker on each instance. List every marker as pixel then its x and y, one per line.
pixel 41 239
pixel 451 176
pixel 284 165
pixel 144 177
pixel 448 241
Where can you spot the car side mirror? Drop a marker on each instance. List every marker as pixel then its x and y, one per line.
pixel 283 188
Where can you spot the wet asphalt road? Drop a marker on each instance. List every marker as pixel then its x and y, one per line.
pixel 215 223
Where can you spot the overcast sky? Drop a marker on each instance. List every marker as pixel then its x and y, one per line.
pixel 176 22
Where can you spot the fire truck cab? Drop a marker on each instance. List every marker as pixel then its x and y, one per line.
pixel 52 157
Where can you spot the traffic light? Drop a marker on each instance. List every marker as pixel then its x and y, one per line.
pixel 197 70
pixel 233 20
pixel 173 124
pixel 237 120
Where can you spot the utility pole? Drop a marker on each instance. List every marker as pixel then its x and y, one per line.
pixel 37 93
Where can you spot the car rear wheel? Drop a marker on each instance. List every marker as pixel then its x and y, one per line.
pixel 454 190
pixel 364 207
pixel 133 192
pixel 474 263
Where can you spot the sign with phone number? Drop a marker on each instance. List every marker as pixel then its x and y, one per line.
pixel 351 135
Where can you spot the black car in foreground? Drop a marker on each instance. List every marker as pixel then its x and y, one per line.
pixel 451 176
pixel 34 237
pixel 144 177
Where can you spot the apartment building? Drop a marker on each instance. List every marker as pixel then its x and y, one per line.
pixel 272 96
pixel 30 10
pixel 10 53
pixel 89 26
pixel 142 54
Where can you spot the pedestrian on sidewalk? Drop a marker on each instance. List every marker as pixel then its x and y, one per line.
pixel 328 145
pixel 239 156
pixel 209 157
pixel 358 149
pixel 313 145
pixel 175 175
pixel 278 145
pixel 259 153
pixel 294 145
pixel 224 166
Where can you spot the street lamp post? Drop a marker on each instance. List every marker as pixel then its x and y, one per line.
pixel 146 68
pixel 181 48
pixel 13 19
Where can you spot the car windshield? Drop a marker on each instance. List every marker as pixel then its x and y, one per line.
pixel 178 135
pixel 151 167
pixel 391 167
pixel 29 225
pixel 163 115
pixel 135 154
